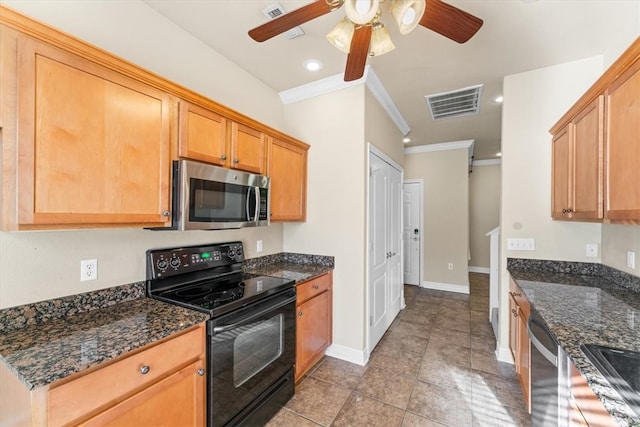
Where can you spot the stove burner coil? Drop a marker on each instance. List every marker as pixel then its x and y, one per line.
pixel 196 291
pixel 224 297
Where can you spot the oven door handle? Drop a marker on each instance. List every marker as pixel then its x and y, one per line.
pixel 224 328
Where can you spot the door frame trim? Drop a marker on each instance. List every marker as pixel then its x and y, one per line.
pixel 420 182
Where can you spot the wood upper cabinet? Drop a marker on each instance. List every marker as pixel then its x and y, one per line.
pixel 519 343
pixel 288 172
pixel 248 149
pixel 210 137
pixel 93 144
pixel 577 189
pixel 314 325
pixel 202 135
pixel 623 146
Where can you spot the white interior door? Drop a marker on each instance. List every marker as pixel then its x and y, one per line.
pixel 412 231
pixel 385 246
pixel 378 277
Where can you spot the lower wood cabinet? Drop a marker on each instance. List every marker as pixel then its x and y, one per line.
pixel 519 343
pixel 585 409
pixel 314 307
pixel 163 383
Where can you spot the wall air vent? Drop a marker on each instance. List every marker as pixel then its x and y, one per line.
pixel 456 103
pixel 276 10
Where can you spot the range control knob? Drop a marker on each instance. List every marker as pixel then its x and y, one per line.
pixel 162 264
pixel 239 252
pixel 231 253
pixel 175 262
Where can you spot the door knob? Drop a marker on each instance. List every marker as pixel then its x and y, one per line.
pixel 416 231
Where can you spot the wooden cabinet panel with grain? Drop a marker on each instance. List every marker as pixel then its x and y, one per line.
pixel 519 342
pixel 248 149
pixel 288 172
pixel 202 135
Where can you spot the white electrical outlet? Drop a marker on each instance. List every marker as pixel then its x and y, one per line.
pixel 259 246
pixel 88 269
pixel 631 259
pixel 592 250
pixel 450 266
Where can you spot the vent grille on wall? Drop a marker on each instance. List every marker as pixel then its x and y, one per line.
pixel 276 10
pixel 455 103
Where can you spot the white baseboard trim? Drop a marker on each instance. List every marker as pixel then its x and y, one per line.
pixel 449 287
pixel 359 357
pixel 485 270
pixel 504 355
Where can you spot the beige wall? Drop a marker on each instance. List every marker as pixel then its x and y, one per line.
pixel 380 130
pixel 616 241
pixel 334 126
pixel 484 211
pixel 533 102
pixel 445 213
pixel 36 266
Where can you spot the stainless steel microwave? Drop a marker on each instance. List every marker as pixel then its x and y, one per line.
pixel 207 197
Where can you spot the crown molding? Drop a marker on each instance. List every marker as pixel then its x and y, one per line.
pixel 455 145
pixel 489 162
pixel 336 82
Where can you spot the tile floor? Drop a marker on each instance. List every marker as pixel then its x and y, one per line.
pixel 435 366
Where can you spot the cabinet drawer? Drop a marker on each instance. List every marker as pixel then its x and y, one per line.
pixel 312 288
pixel 107 385
pixel 519 298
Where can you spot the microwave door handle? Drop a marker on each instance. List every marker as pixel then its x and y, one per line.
pixel 257 216
pixel 247 203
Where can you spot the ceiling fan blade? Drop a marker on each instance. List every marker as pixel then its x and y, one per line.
pixel 289 20
pixel 357 58
pixel 450 21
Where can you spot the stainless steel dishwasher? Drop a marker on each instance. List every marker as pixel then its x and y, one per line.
pixel 544 374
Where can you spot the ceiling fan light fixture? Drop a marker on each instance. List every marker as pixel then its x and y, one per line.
pixel 340 37
pixel 380 40
pixel 361 12
pixel 407 13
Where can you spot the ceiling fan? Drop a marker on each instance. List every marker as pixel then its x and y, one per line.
pixel 361 33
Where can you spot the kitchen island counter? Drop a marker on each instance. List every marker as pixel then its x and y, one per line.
pixel 590 305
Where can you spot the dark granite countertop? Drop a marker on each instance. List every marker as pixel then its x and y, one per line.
pixel 298 267
pixel 44 352
pixel 587 308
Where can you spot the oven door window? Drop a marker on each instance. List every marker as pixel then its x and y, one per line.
pixel 211 201
pixel 256 348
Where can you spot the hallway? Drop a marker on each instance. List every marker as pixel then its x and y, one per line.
pixel 435 366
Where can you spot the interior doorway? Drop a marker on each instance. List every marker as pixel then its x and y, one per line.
pixel 412 231
pixel 385 281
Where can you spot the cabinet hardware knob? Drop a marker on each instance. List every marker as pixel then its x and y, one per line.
pixel 515 313
pixel 165 213
pixel 236 160
pixel 564 211
pixel 144 370
pixel 569 210
pixel 201 372
pixel 223 157
pixel 316 286
pixel 299 314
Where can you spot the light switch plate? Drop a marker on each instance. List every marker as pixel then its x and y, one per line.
pixel 521 244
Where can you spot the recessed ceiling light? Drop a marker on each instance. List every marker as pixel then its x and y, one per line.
pixel 499 154
pixel 405 140
pixel 499 99
pixel 313 64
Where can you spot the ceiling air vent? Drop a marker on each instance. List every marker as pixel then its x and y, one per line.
pixel 276 10
pixel 456 103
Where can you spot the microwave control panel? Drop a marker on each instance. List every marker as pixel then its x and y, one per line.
pixel 172 262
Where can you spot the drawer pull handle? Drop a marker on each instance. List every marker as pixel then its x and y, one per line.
pixel 144 370
pixel 299 314
pixel 316 287
pixel 201 372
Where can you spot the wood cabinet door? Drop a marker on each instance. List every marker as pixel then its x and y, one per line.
pixel 588 162
pixel 561 172
pixel 248 149
pixel 313 331
pixel 513 330
pixel 178 400
pixel 523 361
pixel 202 135
pixel 93 144
pixel 288 172
pixel 622 153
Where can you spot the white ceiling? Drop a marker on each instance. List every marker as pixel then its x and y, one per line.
pixel 517 35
